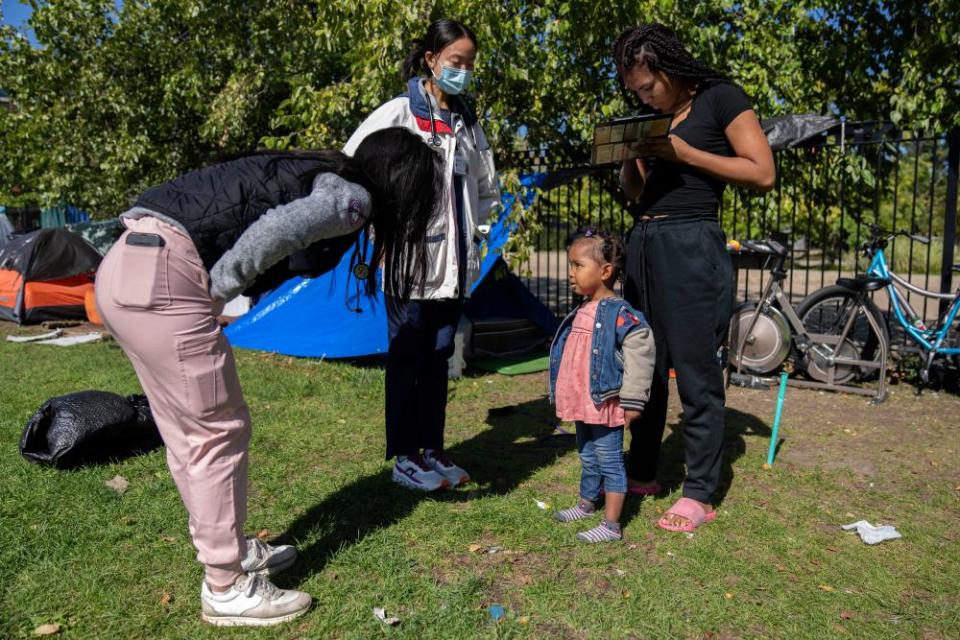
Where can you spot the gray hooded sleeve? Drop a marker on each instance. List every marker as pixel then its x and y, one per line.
pixel 334 208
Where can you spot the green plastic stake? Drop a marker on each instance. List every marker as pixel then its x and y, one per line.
pixel 774 436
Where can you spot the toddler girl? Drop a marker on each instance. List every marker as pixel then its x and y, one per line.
pixel 601 368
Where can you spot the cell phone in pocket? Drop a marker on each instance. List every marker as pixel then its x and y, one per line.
pixel 145 240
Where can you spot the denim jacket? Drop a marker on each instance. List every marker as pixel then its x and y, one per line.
pixel 623 354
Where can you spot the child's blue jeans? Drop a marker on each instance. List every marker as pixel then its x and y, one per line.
pixel 601 459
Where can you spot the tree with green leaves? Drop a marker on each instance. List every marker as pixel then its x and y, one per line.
pixel 110 100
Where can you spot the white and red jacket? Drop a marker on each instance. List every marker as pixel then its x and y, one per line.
pixel 479 193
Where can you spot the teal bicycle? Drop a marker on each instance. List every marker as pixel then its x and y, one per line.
pixel 828 310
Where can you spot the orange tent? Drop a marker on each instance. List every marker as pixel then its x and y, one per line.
pixel 45 275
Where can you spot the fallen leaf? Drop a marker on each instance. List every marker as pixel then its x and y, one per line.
pixel 475 548
pixel 631 546
pixel 523 620
pixel 118 484
pixel 825 587
pixel 846 615
pixel 728 595
pixel 168 538
pixel 793 578
pixel 381 615
pixel 166 599
pixel 626 594
pixel 47 630
pixel 620 572
pixel 263 534
pixel 833 550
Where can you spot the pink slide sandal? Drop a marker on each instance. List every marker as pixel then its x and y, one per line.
pixel 689 509
pixel 650 490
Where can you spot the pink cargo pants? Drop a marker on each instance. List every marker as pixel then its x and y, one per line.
pixel 155 302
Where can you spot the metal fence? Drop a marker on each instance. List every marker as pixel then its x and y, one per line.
pixel 828 193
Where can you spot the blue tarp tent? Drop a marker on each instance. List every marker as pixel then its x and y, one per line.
pixel 332 317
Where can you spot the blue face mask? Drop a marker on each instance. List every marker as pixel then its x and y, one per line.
pixel 453 81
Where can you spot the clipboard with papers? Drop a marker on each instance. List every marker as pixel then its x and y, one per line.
pixel 612 139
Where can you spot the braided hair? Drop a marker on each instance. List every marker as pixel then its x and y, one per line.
pixel 607 248
pixel 658 47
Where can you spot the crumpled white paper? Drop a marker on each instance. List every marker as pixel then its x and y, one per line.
pixel 871 534
pixel 381 614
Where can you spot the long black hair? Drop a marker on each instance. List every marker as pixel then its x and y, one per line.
pixel 405 180
pixel 439 35
pixel 658 47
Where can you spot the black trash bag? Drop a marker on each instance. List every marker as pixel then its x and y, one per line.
pixel 89 427
pixel 786 132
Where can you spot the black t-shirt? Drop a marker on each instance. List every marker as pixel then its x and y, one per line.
pixel 679 189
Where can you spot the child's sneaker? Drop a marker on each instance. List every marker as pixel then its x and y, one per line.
pixel 437 460
pixel 412 472
pixel 584 509
pixel 252 601
pixel 266 559
pixel 603 532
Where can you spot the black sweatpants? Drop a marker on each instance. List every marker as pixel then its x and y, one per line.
pixel 421 343
pixel 680 276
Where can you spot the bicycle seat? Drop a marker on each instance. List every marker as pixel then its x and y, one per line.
pixel 863 283
pixel 956 267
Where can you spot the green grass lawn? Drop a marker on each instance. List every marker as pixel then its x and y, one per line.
pixel 774 565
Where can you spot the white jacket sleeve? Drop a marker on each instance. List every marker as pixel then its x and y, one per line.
pixel 389 114
pixel 488 188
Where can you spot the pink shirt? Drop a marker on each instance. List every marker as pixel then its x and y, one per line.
pixel 573 380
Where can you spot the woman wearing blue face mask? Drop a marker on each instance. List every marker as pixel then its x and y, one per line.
pixel 437 71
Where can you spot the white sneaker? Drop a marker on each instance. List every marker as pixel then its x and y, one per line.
pixel 437 460
pixel 252 601
pixel 266 559
pixel 412 472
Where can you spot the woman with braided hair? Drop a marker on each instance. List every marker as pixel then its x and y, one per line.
pixel 678 272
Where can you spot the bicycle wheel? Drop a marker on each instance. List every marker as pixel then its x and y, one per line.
pixel 826 311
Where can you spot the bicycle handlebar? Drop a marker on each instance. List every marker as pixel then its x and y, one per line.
pixel 880 237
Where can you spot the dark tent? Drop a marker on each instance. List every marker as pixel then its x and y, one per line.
pixel 45 275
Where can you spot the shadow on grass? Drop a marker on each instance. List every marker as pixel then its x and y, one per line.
pixel 671 472
pixel 517 443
